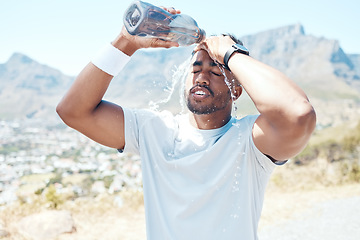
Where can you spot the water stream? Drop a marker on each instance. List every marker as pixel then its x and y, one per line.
pixel 177 86
pixel 176 90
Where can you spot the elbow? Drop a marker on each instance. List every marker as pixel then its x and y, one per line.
pixel 304 120
pixel 65 112
pixel 308 117
pixel 61 111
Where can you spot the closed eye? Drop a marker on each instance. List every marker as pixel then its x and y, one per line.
pixel 217 74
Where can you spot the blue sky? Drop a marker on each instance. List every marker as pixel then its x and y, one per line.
pixel 64 34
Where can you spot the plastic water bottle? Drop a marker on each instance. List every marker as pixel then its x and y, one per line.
pixel 146 20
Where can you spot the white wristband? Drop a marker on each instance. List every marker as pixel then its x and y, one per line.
pixel 110 60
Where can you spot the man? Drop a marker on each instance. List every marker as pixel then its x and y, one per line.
pixel 204 173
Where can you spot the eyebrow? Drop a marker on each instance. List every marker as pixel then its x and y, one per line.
pixel 200 63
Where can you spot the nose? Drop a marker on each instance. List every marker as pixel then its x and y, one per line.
pixel 202 79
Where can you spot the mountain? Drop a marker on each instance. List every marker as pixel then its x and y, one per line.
pixel 29 89
pixel 317 64
pixel 329 76
pixel 355 59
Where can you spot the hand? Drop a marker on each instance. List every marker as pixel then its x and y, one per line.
pixel 216 46
pixel 134 43
pixel 171 10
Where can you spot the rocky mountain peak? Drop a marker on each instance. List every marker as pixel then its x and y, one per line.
pixel 19 61
pixel 22 71
pixel 19 58
pixel 294 30
pixel 290 30
pixel 32 87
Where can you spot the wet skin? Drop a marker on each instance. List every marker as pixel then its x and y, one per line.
pixel 206 90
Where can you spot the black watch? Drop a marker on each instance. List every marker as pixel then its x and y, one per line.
pixel 234 48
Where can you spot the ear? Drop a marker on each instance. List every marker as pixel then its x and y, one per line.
pixel 236 91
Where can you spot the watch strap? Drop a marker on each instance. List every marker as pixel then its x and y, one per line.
pixel 230 52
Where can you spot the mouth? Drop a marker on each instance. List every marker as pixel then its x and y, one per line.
pixel 201 91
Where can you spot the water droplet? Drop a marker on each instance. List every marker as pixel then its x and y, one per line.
pixel 235 188
pixel 177 83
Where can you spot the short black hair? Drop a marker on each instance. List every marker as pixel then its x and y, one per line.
pixel 235 39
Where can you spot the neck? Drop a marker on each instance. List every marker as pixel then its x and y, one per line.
pixel 209 121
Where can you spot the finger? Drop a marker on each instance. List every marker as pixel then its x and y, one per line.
pixel 163 43
pixel 171 10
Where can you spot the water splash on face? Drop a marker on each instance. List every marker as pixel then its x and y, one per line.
pixel 178 78
pixel 177 83
pixel 230 83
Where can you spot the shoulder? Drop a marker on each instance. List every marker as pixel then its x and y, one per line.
pixel 245 123
pixel 240 126
pixel 144 117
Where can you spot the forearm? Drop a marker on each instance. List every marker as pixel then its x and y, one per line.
pixel 87 91
pixel 85 94
pixel 286 119
pixel 275 96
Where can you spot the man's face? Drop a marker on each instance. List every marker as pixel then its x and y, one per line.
pixel 206 90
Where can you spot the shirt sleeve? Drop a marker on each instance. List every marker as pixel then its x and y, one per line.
pixel 260 157
pixel 136 125
pixel 131 127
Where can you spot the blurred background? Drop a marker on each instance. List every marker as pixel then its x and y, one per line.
pixel 50 172
pixel 65 34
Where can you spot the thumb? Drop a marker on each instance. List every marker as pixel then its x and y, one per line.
pixel 201 46
pixel 159 43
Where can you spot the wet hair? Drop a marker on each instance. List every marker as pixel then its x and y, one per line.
pixel 232 36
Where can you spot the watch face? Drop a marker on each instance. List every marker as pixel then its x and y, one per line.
pixel 241 48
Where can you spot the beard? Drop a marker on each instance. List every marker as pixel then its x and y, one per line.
pixel 201 110
pixel 219 102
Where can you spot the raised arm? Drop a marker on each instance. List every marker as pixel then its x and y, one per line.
pixel 83 109
pixel 286 119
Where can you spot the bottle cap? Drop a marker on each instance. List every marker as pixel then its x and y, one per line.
pixel 202 36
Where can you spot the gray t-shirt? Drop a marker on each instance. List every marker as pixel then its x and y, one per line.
pixel 198 184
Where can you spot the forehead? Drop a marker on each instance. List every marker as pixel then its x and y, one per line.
pixel 202 58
